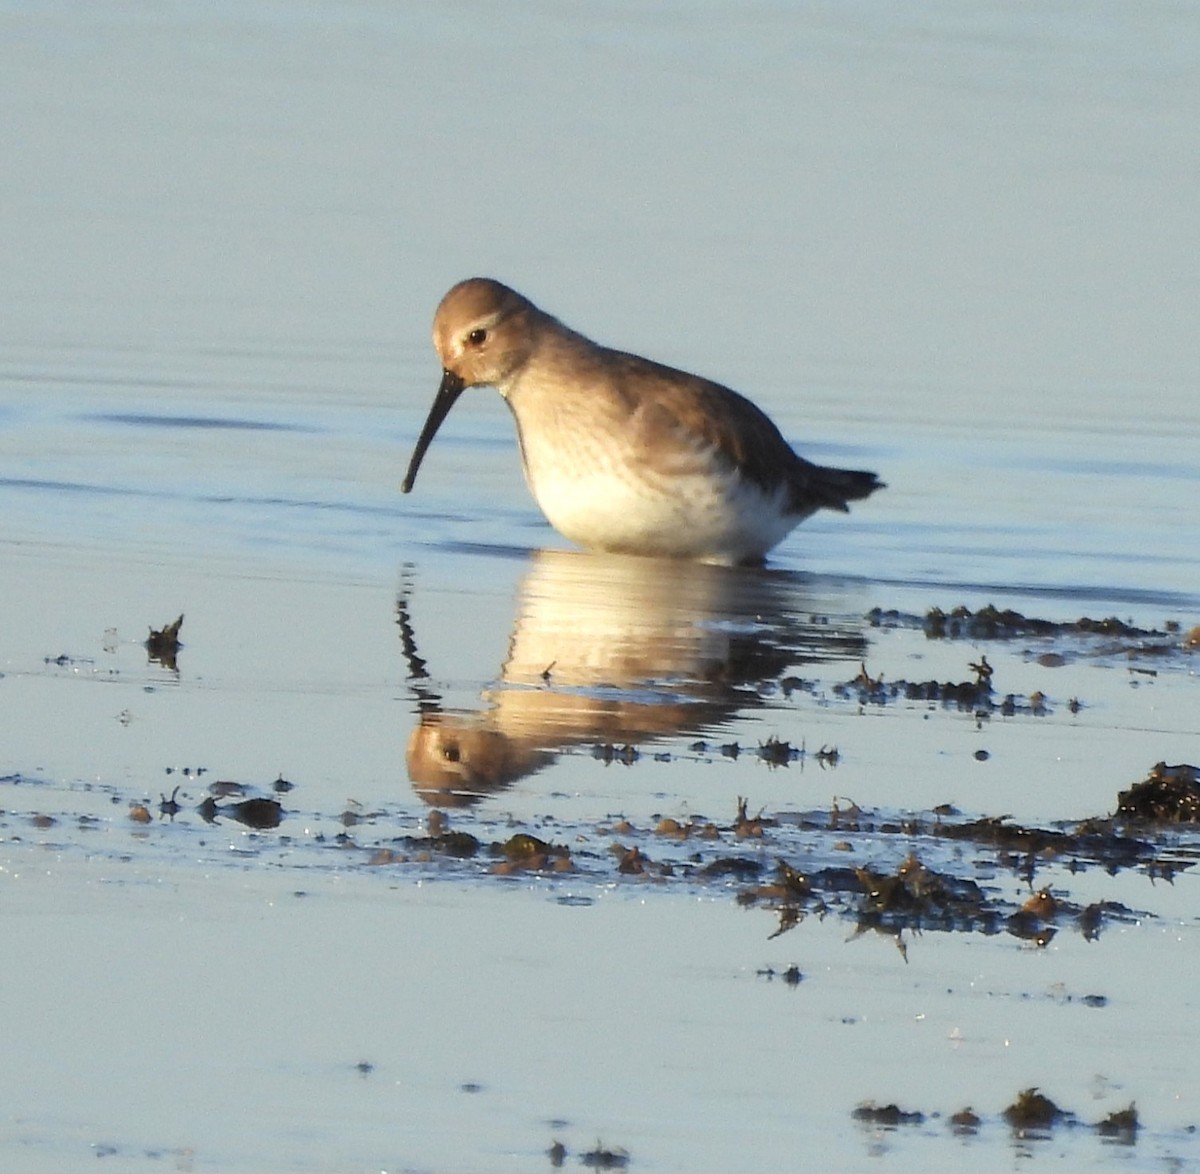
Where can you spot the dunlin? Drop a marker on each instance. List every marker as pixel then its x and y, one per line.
pixel 623 454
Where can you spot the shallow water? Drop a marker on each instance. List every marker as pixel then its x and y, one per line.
pixel 950 245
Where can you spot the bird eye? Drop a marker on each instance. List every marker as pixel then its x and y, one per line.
pixel 477 337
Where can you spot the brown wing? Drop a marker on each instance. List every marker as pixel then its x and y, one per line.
pixel 708 417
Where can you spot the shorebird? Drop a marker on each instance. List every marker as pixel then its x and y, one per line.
pixel 623 454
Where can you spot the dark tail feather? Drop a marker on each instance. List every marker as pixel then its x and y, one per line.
pixel 832 489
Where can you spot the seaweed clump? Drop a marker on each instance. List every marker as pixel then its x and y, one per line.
pixel 162 645
pixel 915 897
pixel 993 623
pixel 1033 1112
pixel 889 1116
pixel 1170 794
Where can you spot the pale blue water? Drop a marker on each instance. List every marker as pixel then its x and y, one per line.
pixel 955 244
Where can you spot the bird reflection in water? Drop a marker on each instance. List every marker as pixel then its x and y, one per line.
pixel 614 650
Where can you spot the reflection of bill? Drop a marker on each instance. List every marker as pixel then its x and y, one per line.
pixel 618 650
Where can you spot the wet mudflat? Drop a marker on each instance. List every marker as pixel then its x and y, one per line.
pixel 666 865
pixel 341 830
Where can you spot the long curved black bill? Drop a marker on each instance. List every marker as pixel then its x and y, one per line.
pixel 448 391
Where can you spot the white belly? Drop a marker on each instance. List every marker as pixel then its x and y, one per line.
pixel 718 517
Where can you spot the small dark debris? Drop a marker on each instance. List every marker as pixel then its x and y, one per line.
pixel 983 672
pixel 1030 928
pixel 163 644
pixel 790 916
pixel 525 852
pixel 1042 905
pixel 965 695
pixel 794 882
pixel 741 867
pixel 790 977
pixel 1091 919
pixel 916 897
pixel 632 862
pixel 992 623
pixel 557 1153
pixel 608 754
pixel 523 846
pixel 750 827
pixel 1171 794
pixel 605 1159
pixel 1033 1111
pixel 461 845
pixel 223 788
pixel 258 814
pixel 791 685
pixel 671 829
pixel 865 681
pixel 889 1116
pixel 777 753
pixel 1121 1125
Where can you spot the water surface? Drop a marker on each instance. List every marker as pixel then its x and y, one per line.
pixel 952 245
